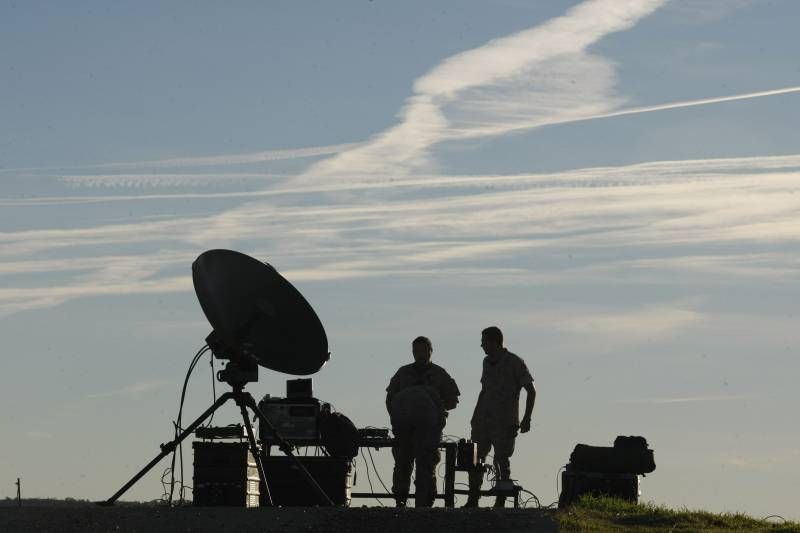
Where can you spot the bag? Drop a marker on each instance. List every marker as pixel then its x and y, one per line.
pixel 629 455
pixel 339 435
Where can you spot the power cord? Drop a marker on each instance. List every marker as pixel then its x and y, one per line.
pixel 178 429
pixel 369 480
pixel 369 451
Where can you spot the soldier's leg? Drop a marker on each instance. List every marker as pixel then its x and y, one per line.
pixel 425 477
pixel 403 452
pixel 426 457
pixel 484 443
pixel 503 450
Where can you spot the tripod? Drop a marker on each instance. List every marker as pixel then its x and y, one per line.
pixel 243 400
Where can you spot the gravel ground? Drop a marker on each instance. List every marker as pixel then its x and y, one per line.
pixel 287 519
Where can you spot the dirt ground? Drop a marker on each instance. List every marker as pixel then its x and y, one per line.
pixel 291 520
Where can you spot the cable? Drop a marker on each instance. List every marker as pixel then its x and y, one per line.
pixel 369 480
pixel 213 390
pixel 533 497
pixel 179 429
pixel 369 451
pixel 165 492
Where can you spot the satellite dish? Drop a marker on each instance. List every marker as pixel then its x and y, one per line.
pixel 258 314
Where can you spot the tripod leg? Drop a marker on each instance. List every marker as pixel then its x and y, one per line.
pixel 254 450
pixel 287 449
pixel 167 449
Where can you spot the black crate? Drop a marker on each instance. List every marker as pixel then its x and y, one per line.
pixel 225 473
pixel 575 484
pixel 290 488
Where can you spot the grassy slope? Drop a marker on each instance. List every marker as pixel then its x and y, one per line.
pixel 607 514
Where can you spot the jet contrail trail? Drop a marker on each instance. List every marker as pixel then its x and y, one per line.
pixel 677 105
pixel 236 159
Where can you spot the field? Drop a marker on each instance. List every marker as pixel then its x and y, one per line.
pixel 86 517
pixel 592 514
pixel 606 514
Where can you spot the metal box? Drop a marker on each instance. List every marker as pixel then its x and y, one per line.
pixel 225 473
pixel 289 487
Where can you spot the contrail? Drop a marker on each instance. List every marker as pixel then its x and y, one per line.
pixel 677 105
pixel 236 159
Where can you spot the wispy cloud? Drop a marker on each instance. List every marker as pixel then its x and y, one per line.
pixel 479 230
pixel 780 458
pixel 680 105
pixel 535 76
pixel 165 180
pixel 704 11
pixel 631 325
pixel 132 390
pixel 204 161
pixel 647 173
pixel 691 399
pixel 39 435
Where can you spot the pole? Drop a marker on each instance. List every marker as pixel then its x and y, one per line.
pixel 19 493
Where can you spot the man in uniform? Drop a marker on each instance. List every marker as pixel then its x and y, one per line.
pixel 418 398
pixel 496 418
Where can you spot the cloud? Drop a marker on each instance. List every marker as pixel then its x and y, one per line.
pixel 132 390
pixel 692 399
pixel 670 217
pixel 39 435
pixel 204 161
pixel 780 458
pixel 164 180
pixel 631 325
pixel 677 105
pixel 705 11
pixel 536 76
pixel 647 173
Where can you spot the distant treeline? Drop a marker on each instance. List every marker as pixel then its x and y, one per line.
pixel 67 502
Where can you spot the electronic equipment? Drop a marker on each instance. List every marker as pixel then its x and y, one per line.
pixel 258 319
pixel 575 484
pixel 225 473
pixel 467 456
pixel 373 433
pixel 299 388
pixel 289 488
pixel 629 455
pixel 338 435
pixel 236 431
pixel 613 471
pixel 293 419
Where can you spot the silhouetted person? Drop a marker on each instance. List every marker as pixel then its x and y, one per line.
pixel 496 418
pixel 418 398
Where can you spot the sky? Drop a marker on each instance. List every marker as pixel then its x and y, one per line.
pixel 615 184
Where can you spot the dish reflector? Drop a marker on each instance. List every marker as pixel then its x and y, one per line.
pixel 258 313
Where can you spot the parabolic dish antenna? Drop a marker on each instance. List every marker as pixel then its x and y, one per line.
pixel 258 314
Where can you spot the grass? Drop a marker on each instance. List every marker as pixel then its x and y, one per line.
pixel 595 513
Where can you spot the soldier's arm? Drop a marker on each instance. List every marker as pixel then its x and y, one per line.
pixel 391 390
pixel 525 424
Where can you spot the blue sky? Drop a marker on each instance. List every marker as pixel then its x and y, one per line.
pixel 614 184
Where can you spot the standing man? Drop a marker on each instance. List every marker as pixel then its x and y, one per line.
pixel 418 398
pixel 496 418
